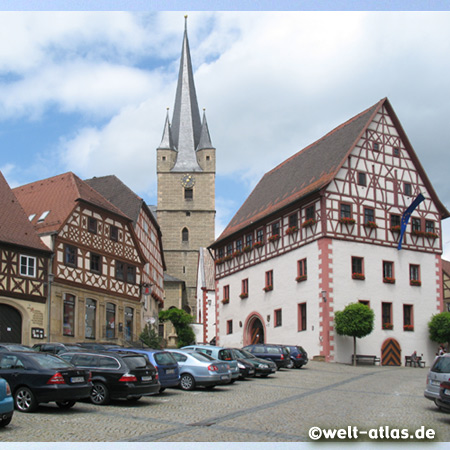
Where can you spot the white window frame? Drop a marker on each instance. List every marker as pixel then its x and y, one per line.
pixel 28 266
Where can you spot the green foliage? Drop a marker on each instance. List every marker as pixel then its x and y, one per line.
pixel 355 320
pixel 150 337
pixel 439 327
pixel 181 320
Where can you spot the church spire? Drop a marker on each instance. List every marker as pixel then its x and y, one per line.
pixel 205 139
pixel 186 125
pixel 166 141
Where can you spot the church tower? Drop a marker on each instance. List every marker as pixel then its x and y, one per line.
pixel 186 166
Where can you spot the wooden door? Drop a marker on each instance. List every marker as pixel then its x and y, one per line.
pixel 391 353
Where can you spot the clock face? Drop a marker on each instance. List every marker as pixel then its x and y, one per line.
pixel 188 181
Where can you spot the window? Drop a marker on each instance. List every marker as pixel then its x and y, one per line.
pixel 69 315
pixel 407 189
pixel 362 179
pixel 129 318
pixel 248 240
pixel 269 280
pixel 357 267
pixel 369 215
pixel 346 210
pixel 429 226
pixel 110 320
pixel 229 326
pixel 220 253
pixel 239 245
pixel 125 272
pixel 395 220
pixel 388 271
pixel 70 255
pixel 386 316
pixel 293 220
pixel 278 320
pixel 114 233
pixel 396 151
pixel 185 235
pixel 365 302
pixel 302 317
pixel 226 292
pixel 415 224
pixel 131 274
pixel 188 193
pixel 310 212
pixel 92 225
pixel 408 323
pixel 28 266
pixel 96 263
pixel 376 146
pixel 229 249
pixel 244 290
pixel 301 270
pixel 414 275
pixel 91 308
pixel 275 228
pixel 260 235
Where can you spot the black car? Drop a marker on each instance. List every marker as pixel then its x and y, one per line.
pixel 298 356
pixel 56 348
pixel 116 376
pixel 40 378
pixel 246 369
pixel 275 353
pixel 263 367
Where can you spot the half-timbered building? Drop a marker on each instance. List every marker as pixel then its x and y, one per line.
pixel 24 263
pixel 320 231
pixel 446 284
pixel 149 236
pixel 97 266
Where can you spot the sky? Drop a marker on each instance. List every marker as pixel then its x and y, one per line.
pixel 88 92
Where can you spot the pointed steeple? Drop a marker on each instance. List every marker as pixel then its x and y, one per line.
pixel 186 126
pixel 167 141
pixel 205 139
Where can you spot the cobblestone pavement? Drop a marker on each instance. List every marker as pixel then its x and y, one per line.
pixel 280 408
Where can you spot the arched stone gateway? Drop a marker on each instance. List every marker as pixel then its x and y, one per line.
pixel 10 325
pixel 391 353
pixel 254 330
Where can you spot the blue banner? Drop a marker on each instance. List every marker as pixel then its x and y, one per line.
pixel 406 215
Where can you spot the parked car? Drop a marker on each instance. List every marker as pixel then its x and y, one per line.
pixel 56 348
pixel 298 356
pixel 6 403
pixel 271 352
pixel 246 368
pixel 40 378
pixel 167 367
pixel 443 401
pixel 200 369
pixel 439 372
pixel 220 353
pixel 10 347
pixel 116 376
pixel 263 367
pixel 98 346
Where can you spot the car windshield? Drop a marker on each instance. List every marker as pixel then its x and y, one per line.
pixel 238 354
pixel 164 358
pixel 247 354
pixel 442 365
pixel 225 355
pixel 135 362
pixel 202 357
pixel 47 361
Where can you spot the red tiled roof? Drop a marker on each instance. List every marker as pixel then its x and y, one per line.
pixel 15 228
pixel 446 266
pixel 312 169
pixel 59 196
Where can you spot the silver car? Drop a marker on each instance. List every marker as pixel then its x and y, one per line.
pixel 440 371
pixel 198 369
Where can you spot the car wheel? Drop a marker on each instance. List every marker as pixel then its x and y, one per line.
pixel 187 382
pixel 264 375
pixel 24 400
pixel 4 422
pixel 437 406
pixel 99 394
pixel 161 390
pixel 66 404
pixel 290 365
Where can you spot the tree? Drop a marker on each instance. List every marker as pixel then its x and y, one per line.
pixel 439 327
pixel 181 320
pixel 355 320
pixel 150 337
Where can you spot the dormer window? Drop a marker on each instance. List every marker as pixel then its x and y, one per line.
pixel 31 217
pixel 43 216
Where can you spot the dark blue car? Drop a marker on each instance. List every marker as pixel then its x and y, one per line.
pixel 167 367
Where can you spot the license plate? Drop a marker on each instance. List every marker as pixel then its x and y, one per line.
pixel 435 383
pixel 147 378
pixel 274 370
pixel 447 391
pixel 251 372
pixel 224 377
pixel 170 371
pixel 77 380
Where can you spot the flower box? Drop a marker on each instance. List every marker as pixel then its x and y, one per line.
pixel 431 235
pixel 415 282
pixel 292 230
pixel 268 288
pixel 228 258
pixel 225 300
pixel 301 278
pixel 347 220
pixel 309 223
pixel 418 233
pixel 358 276
pixel 274 238
pixel 237 253
pixel 220 261
pixel 396 228
pixel 388 326
pixel 408 327
pixel 371 224
pixel 389 280
pixel 247 249
pixel 258 244
pixel 243 295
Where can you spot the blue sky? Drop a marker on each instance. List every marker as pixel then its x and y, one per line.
pixel 88 91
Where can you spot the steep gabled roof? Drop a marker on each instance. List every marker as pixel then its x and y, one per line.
pixel 313 168
pixel 446 266
pixel 15 228
pixel 58 196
